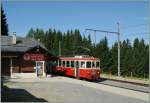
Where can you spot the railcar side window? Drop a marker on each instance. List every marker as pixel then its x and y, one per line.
pixel 88 64
pixel 63 64
pixel 68 64
pixel 97 65
pixel 82 64
pixel 72 63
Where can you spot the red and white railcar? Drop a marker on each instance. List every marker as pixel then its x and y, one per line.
pixel 79 66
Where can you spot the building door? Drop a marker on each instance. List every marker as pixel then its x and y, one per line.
pixel 39 68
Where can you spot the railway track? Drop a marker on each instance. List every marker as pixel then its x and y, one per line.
pixel 125 84
pixel 135 83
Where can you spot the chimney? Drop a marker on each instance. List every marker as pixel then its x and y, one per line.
pixel 14 38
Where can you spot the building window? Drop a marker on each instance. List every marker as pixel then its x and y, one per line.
pixel 72 63
pixel 68 63
pixel 88 64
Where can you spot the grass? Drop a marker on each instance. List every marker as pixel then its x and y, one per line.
pixel 127 78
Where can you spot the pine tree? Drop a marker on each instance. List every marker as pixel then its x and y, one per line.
pixel 126 54
pixel 146 64
pixel 139 58
pixel 103 53
pixel 77 41
pixel 48 39
pixel 142 57
pixel 86 44
pixel 114 58
pixel 31 33
pixel 4 25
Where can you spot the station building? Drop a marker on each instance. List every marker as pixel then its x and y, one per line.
pixel 24 57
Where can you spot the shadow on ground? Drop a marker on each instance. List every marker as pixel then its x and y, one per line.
pixel 18 95
pixel 85 79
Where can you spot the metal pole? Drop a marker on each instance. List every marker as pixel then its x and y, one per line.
pixel 118 49
pixel 59 48
pixel 131 75
pixel 149 46
pixel 11 67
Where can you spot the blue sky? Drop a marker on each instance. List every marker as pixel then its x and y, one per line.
pixel 132 16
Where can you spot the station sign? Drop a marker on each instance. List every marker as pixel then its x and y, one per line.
pixel 34 57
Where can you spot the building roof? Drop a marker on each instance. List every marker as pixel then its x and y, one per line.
pixel 22 44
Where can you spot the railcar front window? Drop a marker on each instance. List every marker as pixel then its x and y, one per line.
pixel 68 63
pixel 72 63
pixel 97 65
pixel 93 64
pixel 88 64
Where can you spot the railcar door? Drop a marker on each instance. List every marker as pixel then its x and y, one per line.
pixel 77 71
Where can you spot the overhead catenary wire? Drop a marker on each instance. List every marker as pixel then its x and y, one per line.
pixel 118 37
pixel 135 33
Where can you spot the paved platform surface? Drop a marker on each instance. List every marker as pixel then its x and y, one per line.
pixel 68 90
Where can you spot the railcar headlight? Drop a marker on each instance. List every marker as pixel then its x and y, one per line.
pixel 88 72
pixel 93 72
